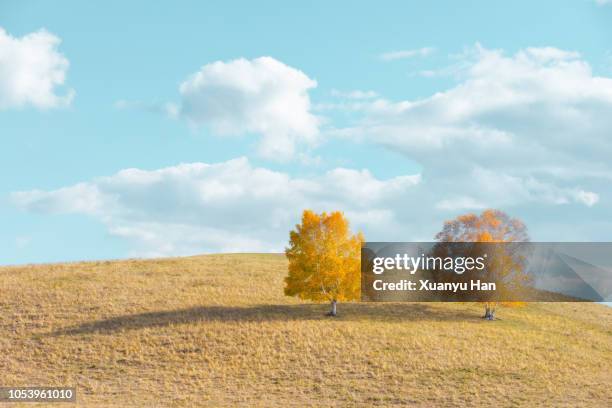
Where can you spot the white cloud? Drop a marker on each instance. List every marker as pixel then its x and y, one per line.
pixel 229 206
pixel 404 54
pixel 428 73
pixel 603 2
pixel 261 96
pixel 460 203
pixel 587 198
pixel 22 242
pixel 520 132
pixel 32 71
pixel 356 94
pixel 159 239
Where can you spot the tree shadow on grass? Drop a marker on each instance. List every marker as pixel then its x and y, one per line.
pixel 387 312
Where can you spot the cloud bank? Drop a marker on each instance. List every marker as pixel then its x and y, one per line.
pixel 529 128
pixel 527 133
pixel 228 206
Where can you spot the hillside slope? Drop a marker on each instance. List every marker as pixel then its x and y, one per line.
pixel 217 330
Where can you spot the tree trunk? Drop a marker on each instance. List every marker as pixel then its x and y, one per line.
pixel 489 312
pixel 333 311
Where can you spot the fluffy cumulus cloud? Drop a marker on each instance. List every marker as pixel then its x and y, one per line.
pixel 32 71
pixel 228 206
pixel 262 96
pixel 527 130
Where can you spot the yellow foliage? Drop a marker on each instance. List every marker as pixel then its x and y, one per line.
pixel 324 259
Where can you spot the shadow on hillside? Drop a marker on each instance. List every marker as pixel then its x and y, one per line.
pixel 264 313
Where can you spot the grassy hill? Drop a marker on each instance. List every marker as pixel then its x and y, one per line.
pixel 217 330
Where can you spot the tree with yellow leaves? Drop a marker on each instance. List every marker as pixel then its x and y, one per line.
pixel 493 226
pixel 324 259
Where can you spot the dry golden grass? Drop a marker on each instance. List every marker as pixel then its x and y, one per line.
pixel 217 331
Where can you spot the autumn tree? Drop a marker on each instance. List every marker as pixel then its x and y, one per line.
pixel 493 226
pixel 324 259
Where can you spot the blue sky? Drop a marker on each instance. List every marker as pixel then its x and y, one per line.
pixel 401 114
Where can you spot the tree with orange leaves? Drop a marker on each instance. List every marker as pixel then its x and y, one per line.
pixel 493 226
pixel 324 259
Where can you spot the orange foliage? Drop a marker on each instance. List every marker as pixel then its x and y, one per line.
pixel 490 226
